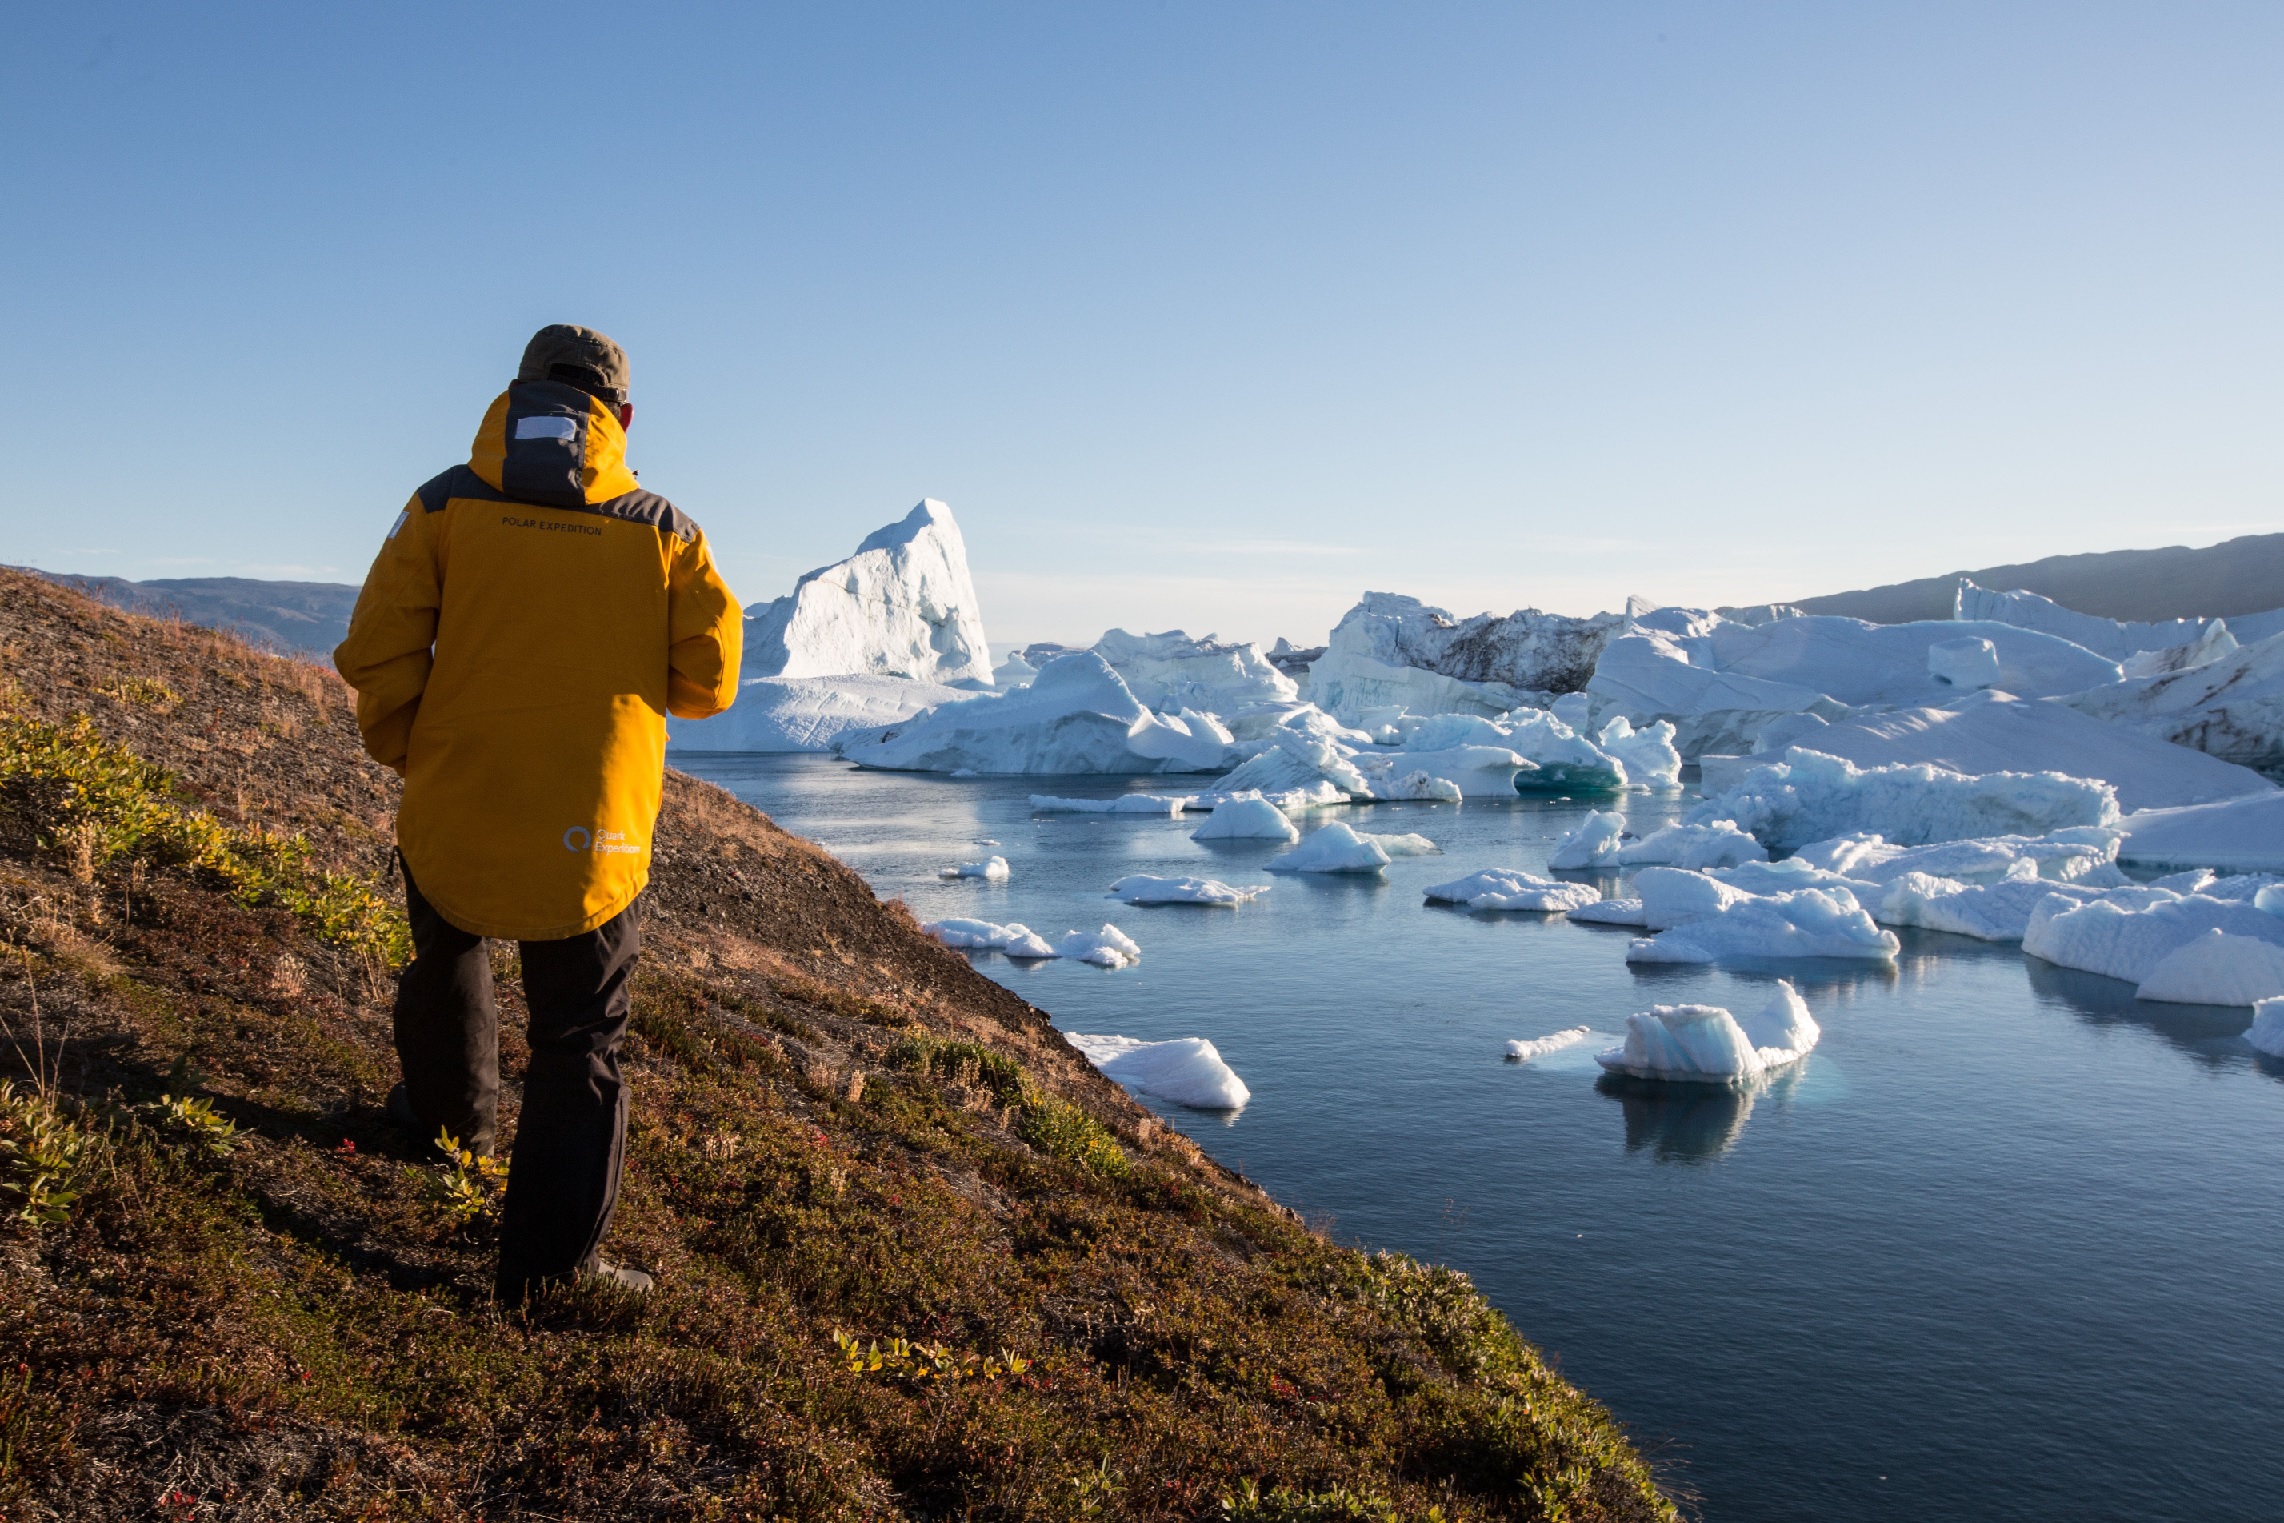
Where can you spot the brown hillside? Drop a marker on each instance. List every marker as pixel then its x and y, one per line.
pixel 235 1293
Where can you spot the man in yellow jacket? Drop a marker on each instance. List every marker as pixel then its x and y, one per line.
pixel 529 623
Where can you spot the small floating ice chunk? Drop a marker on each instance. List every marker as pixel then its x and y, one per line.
pixel 974 935
pixel 1247 817
pixel 1029 947
pixel 2217 969
pixel 991 869
pixel 1705 1044
pixel 1506 888
pixel 1188 1070
pixel 2267 1033
pixel 1592 844
pixel 1407 845
pixel 1125 803
pixel 1141 888
pixel 1539 1047
pixel 1334 848
pixel 1813 922
pixel 1647 754
pixel 1612 912
pixel 1107 948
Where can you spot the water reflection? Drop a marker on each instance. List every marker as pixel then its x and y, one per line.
pixel 2213 1034
pixel 1689 1123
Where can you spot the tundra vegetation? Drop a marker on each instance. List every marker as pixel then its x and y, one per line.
pixel 917 1259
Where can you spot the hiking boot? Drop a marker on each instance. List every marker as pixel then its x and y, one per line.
pixel 633 1281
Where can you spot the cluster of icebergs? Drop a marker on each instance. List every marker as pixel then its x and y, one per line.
pixel 2011 717
pixel 1987 775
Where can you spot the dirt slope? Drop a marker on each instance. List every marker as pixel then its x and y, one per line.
pixel 2244 575
pixel 251 1300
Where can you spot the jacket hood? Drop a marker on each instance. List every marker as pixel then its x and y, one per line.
pixel 547 443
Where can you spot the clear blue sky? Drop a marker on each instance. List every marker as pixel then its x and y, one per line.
pixel 1203 315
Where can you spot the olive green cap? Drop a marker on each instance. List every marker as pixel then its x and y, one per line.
pixel 578 357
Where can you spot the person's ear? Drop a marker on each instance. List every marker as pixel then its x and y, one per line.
pixel 626 415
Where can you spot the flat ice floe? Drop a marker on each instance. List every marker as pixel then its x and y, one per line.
pixel 1506 888
pixel 1613 912
pixel 1167 804
pixel 2127 933
pixel 1539 1047
pixel 1188 1070
pixel 2217 969
pixel 2084 855
pixel 1813 922
pixel 1141 888
pixel 1337 848
pixel 1246 817
pixel 1106 948
pixel 1705 1044
pixel 2242 835
pixel 1808 796
pixel 990 869
pixel 1995 732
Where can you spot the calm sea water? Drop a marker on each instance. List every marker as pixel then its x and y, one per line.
pixel 2008 1245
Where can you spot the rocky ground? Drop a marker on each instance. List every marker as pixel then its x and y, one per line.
pixel 916 1258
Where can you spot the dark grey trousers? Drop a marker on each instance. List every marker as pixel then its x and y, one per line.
pixel 563 1177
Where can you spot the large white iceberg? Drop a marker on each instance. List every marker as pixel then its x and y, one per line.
pixel 1394 652
pixel 1812 922
pixel 1995 732
pixel 1171 672
pixel 2242 835
pixel 2217 969
pixel 1507 888
pixel 1648 754
pixel 1721 682
pixel 902 606
pixel 2113 638
pixel 1706 1044
pixel 1809 796
pixel 2232 708
pixel 1188 1070
pixel 2127 932
pixel 1075 717
pixel 864 642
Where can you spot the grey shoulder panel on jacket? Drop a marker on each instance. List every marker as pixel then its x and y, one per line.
pixel 635 507
pixel 649 508
pixel 459 481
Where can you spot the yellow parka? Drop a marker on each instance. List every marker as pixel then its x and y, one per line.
pixel 531 620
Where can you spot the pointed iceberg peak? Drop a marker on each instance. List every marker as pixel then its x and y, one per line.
pixel 914 526
pixel 902 606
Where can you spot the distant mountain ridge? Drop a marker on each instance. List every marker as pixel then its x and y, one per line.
pixel 291 618
pixel 2239 576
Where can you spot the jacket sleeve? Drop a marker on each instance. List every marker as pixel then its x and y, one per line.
pixel 389 648
pixel 705 634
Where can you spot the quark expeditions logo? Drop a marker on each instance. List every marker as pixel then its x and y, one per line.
pixel 601 843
